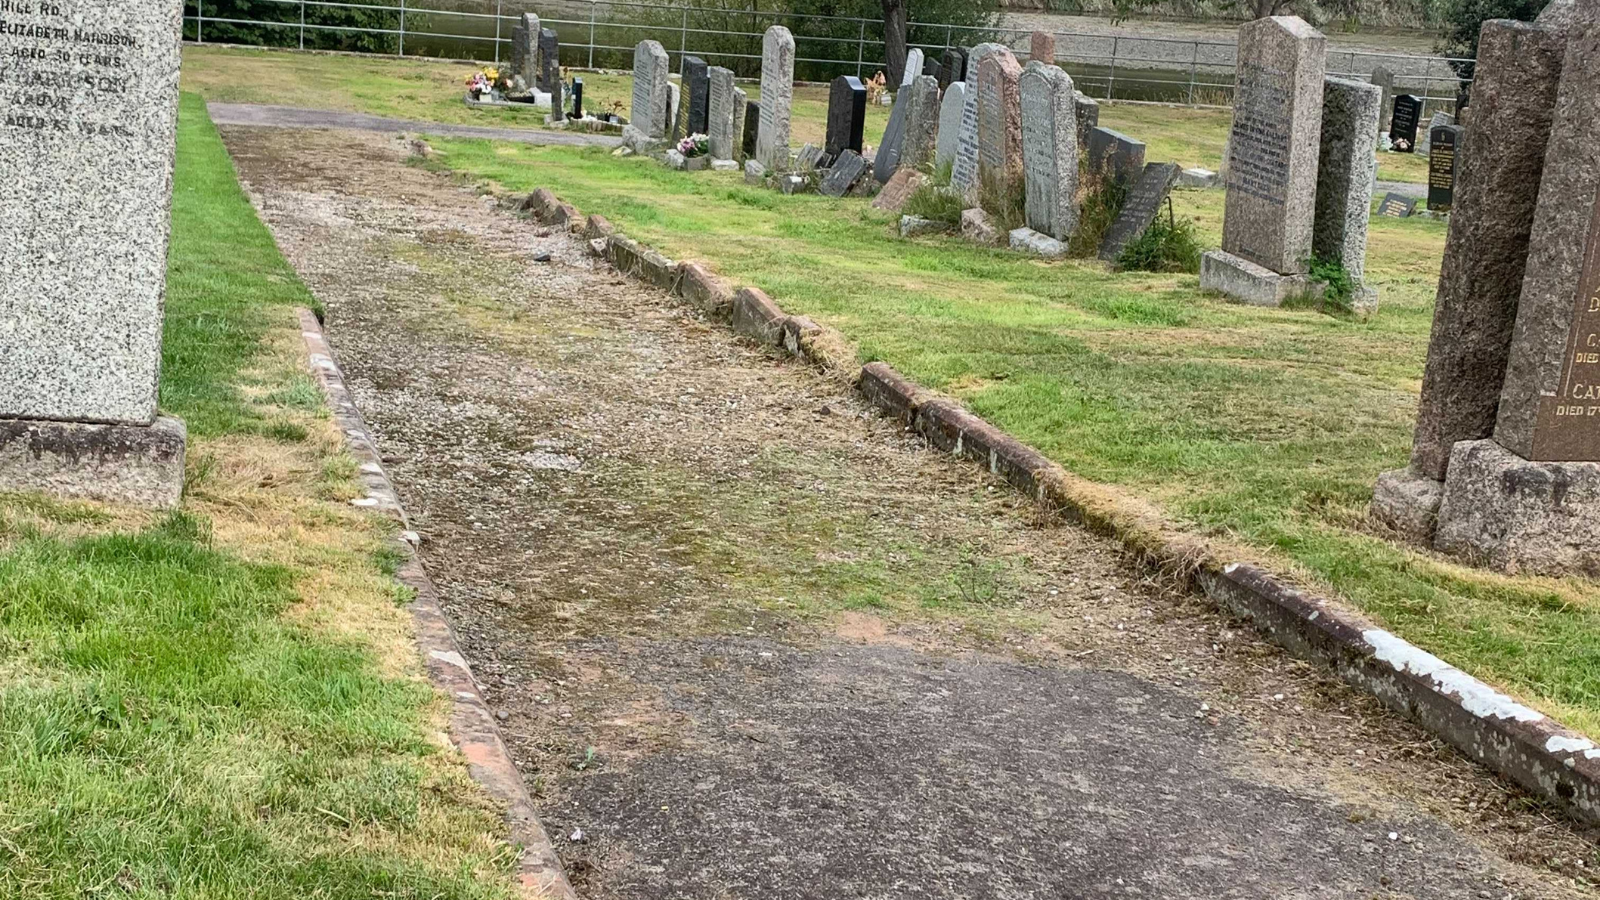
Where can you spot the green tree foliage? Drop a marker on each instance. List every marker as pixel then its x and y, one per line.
pixel 275 24
pixel 1463 19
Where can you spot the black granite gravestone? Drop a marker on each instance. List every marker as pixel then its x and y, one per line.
pixel 1140 209
pixel 697 106
pixel 1114 155
pixel 577 98
pixel 930 66
pixel 550 71
pixel 952 67
pixel 752 126
pixel 1403 124
pixel 847 115
pixel 1395 206
pixel 1444 145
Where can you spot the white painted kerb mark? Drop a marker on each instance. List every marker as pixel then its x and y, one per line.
pixel 449 656
pixel 1475 696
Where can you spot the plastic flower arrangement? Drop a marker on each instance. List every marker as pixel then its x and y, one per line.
pixel 485 81
pixel 694 145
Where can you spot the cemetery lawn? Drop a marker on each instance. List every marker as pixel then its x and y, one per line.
pixel 226 701
pixel 431 91
pixel 1264 428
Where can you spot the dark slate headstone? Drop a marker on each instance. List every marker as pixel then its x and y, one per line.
pixel 843 174
pixel 752 125
pixel 1403 124
pixel 1114 155
pixel 847 115
pixel 1445 144
pixel 1087 112
pixel 1395 206
pixel 1141 207
pixel 930 66
pixel 952 67
pixel 888 155
pixel 577 98
pixel 697 84
pixel 550 71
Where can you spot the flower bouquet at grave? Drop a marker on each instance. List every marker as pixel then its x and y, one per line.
pixel 695 145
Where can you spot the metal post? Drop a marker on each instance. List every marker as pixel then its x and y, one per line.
pixel 947 36
pixel 497 9
pixel 1194 63
pixel 592 4
pixel 402 27
pixel 302 24
pixel 861 47
pixel 683 37
pixel 1111 82
pixel 200 21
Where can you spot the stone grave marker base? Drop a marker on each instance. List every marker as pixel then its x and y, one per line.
pixel 1030 241
pixel 1247 282
pixel 1535 518
pixel 1408 501
pixel 138 465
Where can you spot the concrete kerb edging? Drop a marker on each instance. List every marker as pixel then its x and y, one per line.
pixel 472 725
pixel 1519 743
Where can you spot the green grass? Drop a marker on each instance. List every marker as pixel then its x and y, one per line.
pixel 1265 427
pixel 220 703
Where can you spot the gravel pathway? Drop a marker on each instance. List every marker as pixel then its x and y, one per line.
pixel 747 639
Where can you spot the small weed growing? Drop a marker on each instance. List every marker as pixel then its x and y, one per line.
pixel 939 204
pixel 1004 200
pixel 1340 290
pixel 1168 245
pixel 1101 201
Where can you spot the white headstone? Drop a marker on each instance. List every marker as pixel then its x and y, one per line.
pixel 777 93
pixel 914 59
pixel 955 98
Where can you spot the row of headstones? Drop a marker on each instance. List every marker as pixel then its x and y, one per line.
pixel 536 63
pixel 1503 464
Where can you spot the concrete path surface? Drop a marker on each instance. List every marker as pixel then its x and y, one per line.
pixel 747 639
pixel 264 116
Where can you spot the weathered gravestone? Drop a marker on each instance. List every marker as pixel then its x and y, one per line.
pixel 1087 112
pixel 525 52
pixel 674 104
pixel 913 66
pixel 952 68
pixel 886 158
pixel 752 128
pixel 950 108
pixel 1114 155
pixel 964 171
pixel 721 114
pixel 1049 150
pixel 1480 282
pixel 1272 164
pixel 1442 164
pixel 846 170
pixel 1403 124
pixel 777 93
pixel 550 72
pixel 1346 168
pixel 84 225
pixel 999 121
pixel 1042 47
pixel 1140 208
pixel 1425 138
pixel 696 113
pixel 847 115
pixel 930 66
pixel 922 122
pixel 741 107
pixel 648 116
pixel 1528 500
pixel 1383 80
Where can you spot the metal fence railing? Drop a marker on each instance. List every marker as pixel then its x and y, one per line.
pixel 603 33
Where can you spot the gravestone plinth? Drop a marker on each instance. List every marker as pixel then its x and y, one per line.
pixel 648 116
pixel 999 121
pixel 1049 150
pixel 696 115
pixel 1480 282
pixel 847 116
pixel 1403 124
pixel 1442 163
pixel 84 227
pixel 1273 152
pixel 777 95
pixel 1346 171
pixel 1140 208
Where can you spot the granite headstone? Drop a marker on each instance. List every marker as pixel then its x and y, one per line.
pixel 1443 161
pixel 752 128
pixel 1140 208
pixel 1345 173
pixel 1087 112
pixel 1114 155
pixel 1425 135
pixel 999 119
pixel 922 122
pixel 1049 150
pixel 1383 78
pixel 550 72
pixel 846 170
pixel 847 115
pixel 777 94
pixel 886 159
pixel 1042 47
pixel 952 68
pixel 1403 123
pixel 697 84
pixel 525 51
pixel 950 109
pixel 914 58
pixel 721 113
pixel 964 171
pixel 649 112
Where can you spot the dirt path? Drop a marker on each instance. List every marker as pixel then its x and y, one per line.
pixel 749 640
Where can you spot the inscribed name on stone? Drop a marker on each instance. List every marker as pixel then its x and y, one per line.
pixel 999 118
pixel 721 113
pixel 1049 150
pixel 1274 145
pixel 697 85
pixel 964 172
pixel 777 94
pixel 1443 147
pixel 87 123
pixel 1403 124
pixel 847 115
pixel 649 113
pixel 1144 201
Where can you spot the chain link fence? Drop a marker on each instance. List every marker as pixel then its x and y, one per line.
pixel 602 34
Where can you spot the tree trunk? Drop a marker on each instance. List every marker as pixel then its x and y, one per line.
pixel 894 42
